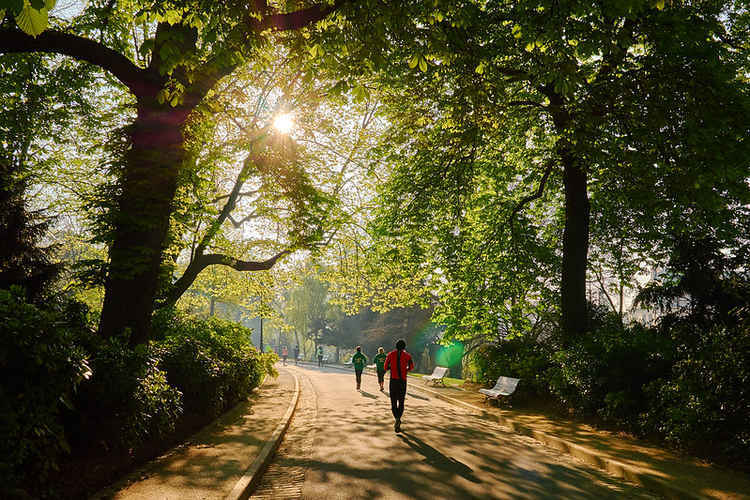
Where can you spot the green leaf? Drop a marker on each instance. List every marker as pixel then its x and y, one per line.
pixel 15 6
pixel 660 4
pixel 173 16
pixel 146 47
pixel 423 64
pixel 479 69
pixel 32 21
pixel 413 62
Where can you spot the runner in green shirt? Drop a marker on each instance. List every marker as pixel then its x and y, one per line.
pixel 379 361
pixel 359 361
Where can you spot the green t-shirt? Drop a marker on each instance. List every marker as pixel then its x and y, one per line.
pixel 379 360
pixel 359 360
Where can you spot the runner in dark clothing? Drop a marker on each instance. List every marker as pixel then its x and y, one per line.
pixel 379 361
pixel 359 361
pixel 399 362
pixel 296 354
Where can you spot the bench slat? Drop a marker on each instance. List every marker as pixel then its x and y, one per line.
pixel 437 374
pixel 505 386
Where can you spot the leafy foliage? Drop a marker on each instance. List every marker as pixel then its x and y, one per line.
pixel 41 366
pixel 211 362
pixel 127 401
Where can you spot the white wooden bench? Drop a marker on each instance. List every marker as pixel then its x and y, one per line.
pixel 505 386
pixel 438 374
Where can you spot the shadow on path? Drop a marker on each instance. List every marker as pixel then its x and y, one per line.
pixel 417 396
pixel 437 459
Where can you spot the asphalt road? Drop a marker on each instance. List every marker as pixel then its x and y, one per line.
pixel 341 445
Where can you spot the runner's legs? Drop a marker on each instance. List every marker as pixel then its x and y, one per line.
pixel 397 389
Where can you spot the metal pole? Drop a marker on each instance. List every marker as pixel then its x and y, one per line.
pixel 261 334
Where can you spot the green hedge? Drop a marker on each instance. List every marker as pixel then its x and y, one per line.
pixel 127 401
pixel 64 389
pixel 211 361
pixel 40 367
pixel 681 381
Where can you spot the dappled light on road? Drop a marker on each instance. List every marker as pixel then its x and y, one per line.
pixel 443 452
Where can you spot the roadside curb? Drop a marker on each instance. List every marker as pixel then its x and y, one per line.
pixel 583 453
pixel 588 455
pixel 249 480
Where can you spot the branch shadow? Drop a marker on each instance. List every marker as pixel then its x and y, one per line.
pixel 437 459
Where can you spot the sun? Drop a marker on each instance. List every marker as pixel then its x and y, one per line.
pixel 284 123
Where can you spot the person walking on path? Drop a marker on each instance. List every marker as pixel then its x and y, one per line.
pixel 296 354
pixel 399 362
pixel 320 356
pixel 379 361
pixel 359 361
pixel 284 354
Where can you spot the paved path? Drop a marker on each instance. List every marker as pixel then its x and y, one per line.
pixel 341 444
pixel 210 463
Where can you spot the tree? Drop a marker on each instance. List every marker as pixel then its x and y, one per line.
pixel 549 103
pixel 38 108
pixel 186 48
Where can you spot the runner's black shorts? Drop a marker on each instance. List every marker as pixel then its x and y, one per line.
pixel 381 376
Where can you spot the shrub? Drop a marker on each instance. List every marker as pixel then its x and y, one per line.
pixel 211 361
pixel 704 402
pixel 519 357
pixel 40 367
pixel 606 373
pixel 127 400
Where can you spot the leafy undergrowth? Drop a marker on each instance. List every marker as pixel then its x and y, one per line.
pixel 79 410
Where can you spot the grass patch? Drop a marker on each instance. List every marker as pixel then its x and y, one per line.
pixel 453 382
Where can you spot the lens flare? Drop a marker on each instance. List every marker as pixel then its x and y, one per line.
pixel 284 123
pixel 450 355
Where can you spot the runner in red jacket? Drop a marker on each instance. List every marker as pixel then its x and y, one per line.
pixel 399 362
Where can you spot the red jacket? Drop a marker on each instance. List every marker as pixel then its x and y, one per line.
pixel 406 364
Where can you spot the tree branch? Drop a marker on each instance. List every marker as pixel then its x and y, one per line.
pixel 203 261
pixel 292 20
pixel 600 281
pixel 527 103
pixel 537 194
pixel 231 202
pixel 80 49
pixel 239 195
pixel 238 223
pixel 241 265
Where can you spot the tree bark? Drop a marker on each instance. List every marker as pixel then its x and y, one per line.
pixel 141 221
pixel 575 248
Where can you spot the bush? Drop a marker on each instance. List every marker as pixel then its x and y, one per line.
pixel 127 400
pixel 606 372
pixel 211 361
pixel 681 381
pixel 704 402
pixel 40 367
pixel 519 357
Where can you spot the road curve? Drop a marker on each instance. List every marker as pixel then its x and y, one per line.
pixel 341 445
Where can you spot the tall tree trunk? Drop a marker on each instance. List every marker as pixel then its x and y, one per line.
pixel 149 182
pixel 575 248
